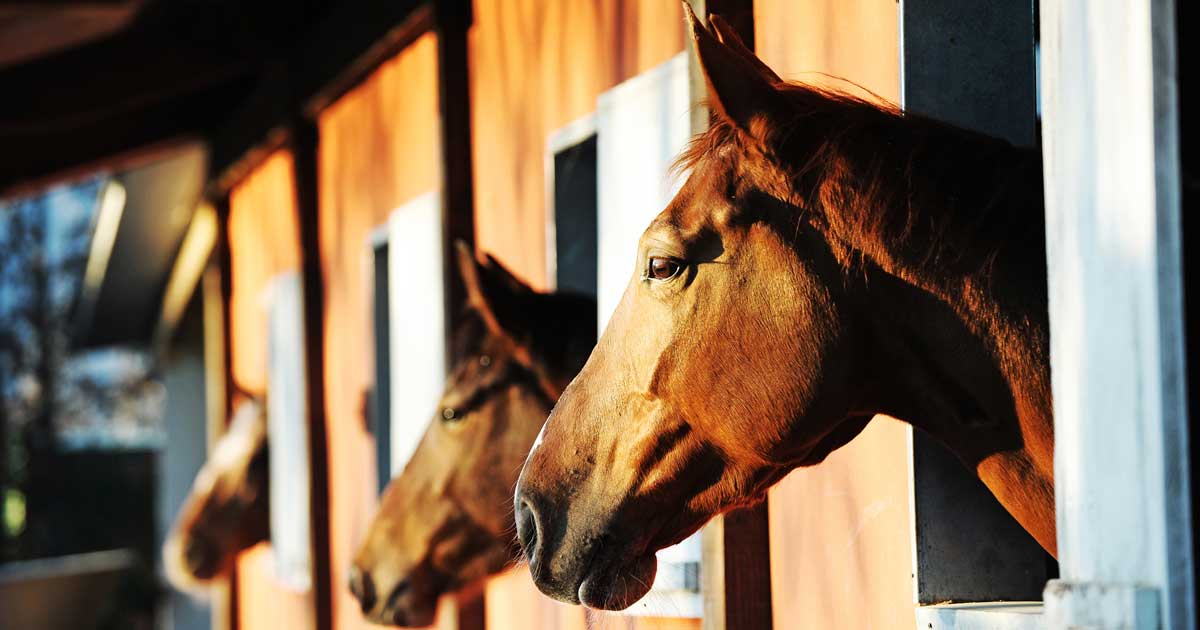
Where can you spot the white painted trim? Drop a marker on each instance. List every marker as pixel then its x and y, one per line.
pixel 643 124
pixel 981 616
pixel 564 137
pixel 1110 145
pixel 416 330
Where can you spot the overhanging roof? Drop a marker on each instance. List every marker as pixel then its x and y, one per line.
pixel 143 218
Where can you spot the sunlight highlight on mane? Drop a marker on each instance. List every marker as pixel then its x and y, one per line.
pixel 924 199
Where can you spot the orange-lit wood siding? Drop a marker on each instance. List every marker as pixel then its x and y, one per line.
pixel 263 242
pixel 378 149
pixel 536 65
pixel 840 549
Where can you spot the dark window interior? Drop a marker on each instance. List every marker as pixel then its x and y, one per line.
pixel 972 64
pixel 575 217
pixel 381 399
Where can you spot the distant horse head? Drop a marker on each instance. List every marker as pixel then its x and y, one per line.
pixel 446 520
pixel 227 510
pixel 828 259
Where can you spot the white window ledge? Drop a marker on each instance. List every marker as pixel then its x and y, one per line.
pixel 981 616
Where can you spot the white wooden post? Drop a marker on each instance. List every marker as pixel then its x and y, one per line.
pixel 1110 135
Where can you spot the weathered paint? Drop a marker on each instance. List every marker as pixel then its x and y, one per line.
pixel 840 550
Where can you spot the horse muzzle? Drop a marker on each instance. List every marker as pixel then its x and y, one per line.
pixel 594 566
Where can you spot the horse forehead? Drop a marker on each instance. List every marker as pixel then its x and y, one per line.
pixel 704 200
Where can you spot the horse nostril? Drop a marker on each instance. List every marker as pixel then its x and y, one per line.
pixel 363 588
pixel 527 529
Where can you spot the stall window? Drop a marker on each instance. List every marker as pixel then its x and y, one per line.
pixel 574 180
pixel 409 329
pixel 380 399
pixel 974 65
pixel 416 323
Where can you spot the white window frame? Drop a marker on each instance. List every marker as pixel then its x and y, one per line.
pixel 1110 130
pixel 417 328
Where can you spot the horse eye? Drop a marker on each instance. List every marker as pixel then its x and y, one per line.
pixel 450 415
pixel 660 268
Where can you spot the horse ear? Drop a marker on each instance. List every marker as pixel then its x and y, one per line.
pixel 492 290
pixel 738 89
pixel 728 36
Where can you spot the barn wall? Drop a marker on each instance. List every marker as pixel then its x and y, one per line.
pixel 378 150
pixel 537 65
pixel 263 242
pixel 840 549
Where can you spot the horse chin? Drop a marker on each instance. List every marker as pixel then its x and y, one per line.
pixel 618 586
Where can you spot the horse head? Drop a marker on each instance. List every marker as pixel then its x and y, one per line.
pixel 446 520
pixel 227 510
pixel 779 302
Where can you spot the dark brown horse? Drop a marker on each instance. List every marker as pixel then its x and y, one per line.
pixel 447 521
pixel 229 506
pixel 827 260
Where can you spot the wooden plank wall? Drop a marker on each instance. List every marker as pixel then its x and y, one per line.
pixel 537 65
pixel 840 548
pixel 378 149
pixel 263 242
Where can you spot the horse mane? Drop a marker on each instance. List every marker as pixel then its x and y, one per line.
pixel 923 199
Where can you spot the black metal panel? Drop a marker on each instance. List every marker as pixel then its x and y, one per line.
pixel 972 64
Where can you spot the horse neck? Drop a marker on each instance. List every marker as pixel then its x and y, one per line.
pixel 958 241
pixel 969 363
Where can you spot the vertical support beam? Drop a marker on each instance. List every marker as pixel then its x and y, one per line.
pixel 217 287
pixel 1111 143
pixel 452 21
pixel 304 143
pixel 735 568
pixel 1189 132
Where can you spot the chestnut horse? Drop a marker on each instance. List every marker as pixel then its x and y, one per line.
pixel 229 506
pixel 827 260
pixel 447 521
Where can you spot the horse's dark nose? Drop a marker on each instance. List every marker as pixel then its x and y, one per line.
pixel 529 529
pixel 363 588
